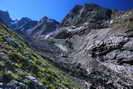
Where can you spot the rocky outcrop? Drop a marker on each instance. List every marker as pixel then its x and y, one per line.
pixel 96 16
pixel 1 21
pixel 43 27
pixel 4 15
pixel 23 24
pixel 94 45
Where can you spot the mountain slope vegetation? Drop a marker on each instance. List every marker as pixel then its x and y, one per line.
pixel 22 68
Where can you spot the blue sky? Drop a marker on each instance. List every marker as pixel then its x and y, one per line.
pixel 55 9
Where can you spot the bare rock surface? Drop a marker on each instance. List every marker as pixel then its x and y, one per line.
pixel 94 45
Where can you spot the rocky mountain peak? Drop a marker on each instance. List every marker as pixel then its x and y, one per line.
pixel 25 19
pixel 43 27
pixel 47 20
pixel 18 24
pixel 4 15
pixel 93 14
pixel 92 6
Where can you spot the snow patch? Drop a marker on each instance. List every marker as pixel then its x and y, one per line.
pixel 63 48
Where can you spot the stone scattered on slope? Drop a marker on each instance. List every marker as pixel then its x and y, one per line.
pixel 99 47
pixel 22 68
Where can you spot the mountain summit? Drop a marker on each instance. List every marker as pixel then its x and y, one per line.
pixel 91 13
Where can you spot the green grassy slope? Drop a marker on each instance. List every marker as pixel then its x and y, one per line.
pixel 18 60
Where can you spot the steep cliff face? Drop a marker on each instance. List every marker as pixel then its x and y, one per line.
pixel 93 14
pixel 1 21
pixel 95 45
pixel 43 27
pixel 4 15
pixel 23 24
pixel 22 68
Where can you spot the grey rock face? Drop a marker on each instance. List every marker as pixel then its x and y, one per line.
pixel 1 21
pixel 11 42
pixel 23 24
pixel 44 26
pixel 101 55
pixel 4 15
pixel 18 85
pixel 93 14
pixel 35 83
pixel 12 85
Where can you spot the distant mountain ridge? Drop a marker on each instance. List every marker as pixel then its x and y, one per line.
pixel 91 13
pixel 29 27
pixel 43 27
